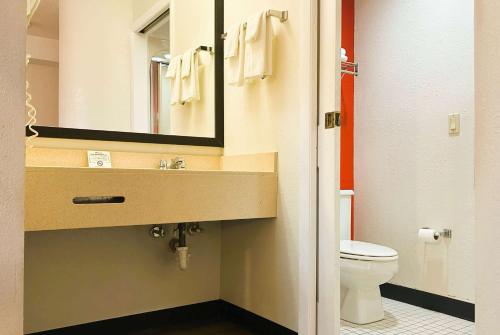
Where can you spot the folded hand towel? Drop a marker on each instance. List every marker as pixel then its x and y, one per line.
pixel 259 47
pixel 254 25
pixel 236 63
pixel 186 63
pixel 231 43
pixel 174 74
pixel 190 81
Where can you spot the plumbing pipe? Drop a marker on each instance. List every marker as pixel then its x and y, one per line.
pixel 183 254
pixel 182 249
pixel 181 227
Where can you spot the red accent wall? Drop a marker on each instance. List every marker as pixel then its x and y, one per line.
pixel 347 106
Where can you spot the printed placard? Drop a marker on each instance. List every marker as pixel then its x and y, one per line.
pixel 99 159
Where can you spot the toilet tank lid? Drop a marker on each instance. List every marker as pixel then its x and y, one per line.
pixel 359 248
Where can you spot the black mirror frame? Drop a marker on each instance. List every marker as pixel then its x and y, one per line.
pixel 104 135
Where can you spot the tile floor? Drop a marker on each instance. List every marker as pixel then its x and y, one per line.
pixel 404 319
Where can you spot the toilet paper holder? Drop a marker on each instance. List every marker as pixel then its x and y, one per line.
pixel 446 233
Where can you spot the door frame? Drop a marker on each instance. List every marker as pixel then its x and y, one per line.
pixel 308 185
pixel 319 304
pixel 330 29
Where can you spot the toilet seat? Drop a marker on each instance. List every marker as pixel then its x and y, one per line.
pixel 365 251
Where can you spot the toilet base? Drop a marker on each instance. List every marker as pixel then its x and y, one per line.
pixel 361 306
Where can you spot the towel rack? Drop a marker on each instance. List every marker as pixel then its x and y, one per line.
pixel 350 68
pixel 205 48
pixel 280 14
pixel 166 61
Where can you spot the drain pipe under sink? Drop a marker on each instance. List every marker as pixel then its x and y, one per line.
pixel 182 249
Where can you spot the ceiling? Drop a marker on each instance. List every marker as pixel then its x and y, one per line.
pixel 45 22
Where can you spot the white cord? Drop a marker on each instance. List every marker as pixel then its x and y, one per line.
pixel 31 7
pixel 31 111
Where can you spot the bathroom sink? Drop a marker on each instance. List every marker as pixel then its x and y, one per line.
pixel 74 198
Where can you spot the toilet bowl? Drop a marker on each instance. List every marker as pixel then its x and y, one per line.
pixel 363 268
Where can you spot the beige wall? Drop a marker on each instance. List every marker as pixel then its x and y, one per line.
pixel 75 277
pixel 95 64
pixel 141 7
pixel 487 166
pixel 196 118
pixel 409 173
pixel 42 49
pixel 12 97
pixel 259 262
pixel 44 88
pixel 260 258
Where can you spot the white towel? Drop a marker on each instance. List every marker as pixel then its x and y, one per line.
pixel 231 43
pixel 343 55
pixel 174 74
pixel 186 63
pixel 189 74
pixel 259 47
pixel 235 55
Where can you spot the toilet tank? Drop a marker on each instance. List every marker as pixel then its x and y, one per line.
pixel 345 214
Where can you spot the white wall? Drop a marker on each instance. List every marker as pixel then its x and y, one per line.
pixel 95 64
pixel 416 62
pixel 12 111
pixel 487 166
pixel 260 258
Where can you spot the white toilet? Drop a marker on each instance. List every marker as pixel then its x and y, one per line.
pixel 363 268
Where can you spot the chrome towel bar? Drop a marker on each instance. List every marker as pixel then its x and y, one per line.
pixel 280 14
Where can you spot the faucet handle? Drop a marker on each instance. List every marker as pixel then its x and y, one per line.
pixel 163 165
pixel 179 162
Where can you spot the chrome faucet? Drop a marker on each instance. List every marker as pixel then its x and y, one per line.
pixel 177 163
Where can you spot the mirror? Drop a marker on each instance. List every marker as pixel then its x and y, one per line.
pixel 128 70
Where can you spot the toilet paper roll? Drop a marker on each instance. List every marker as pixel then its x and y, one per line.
pixel 429 235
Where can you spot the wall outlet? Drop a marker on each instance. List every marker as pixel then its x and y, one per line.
pixel 454 124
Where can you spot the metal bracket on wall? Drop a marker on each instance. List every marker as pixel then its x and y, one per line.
pixel 332 120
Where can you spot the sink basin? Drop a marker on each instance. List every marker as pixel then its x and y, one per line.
pixel 128 197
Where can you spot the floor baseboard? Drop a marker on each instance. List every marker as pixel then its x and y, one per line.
pixel 196 314
pixel 205 311
pixel 253 321
pixel 457 308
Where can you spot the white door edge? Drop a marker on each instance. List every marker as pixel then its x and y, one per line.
pixel 308 160
pixel 328 322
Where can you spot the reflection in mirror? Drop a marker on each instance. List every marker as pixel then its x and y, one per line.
pixel 124 65
pixel 159 51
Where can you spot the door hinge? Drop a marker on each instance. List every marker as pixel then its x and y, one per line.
pixel 332 120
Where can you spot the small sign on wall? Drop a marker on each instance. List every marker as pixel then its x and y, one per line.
pixel 99 159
